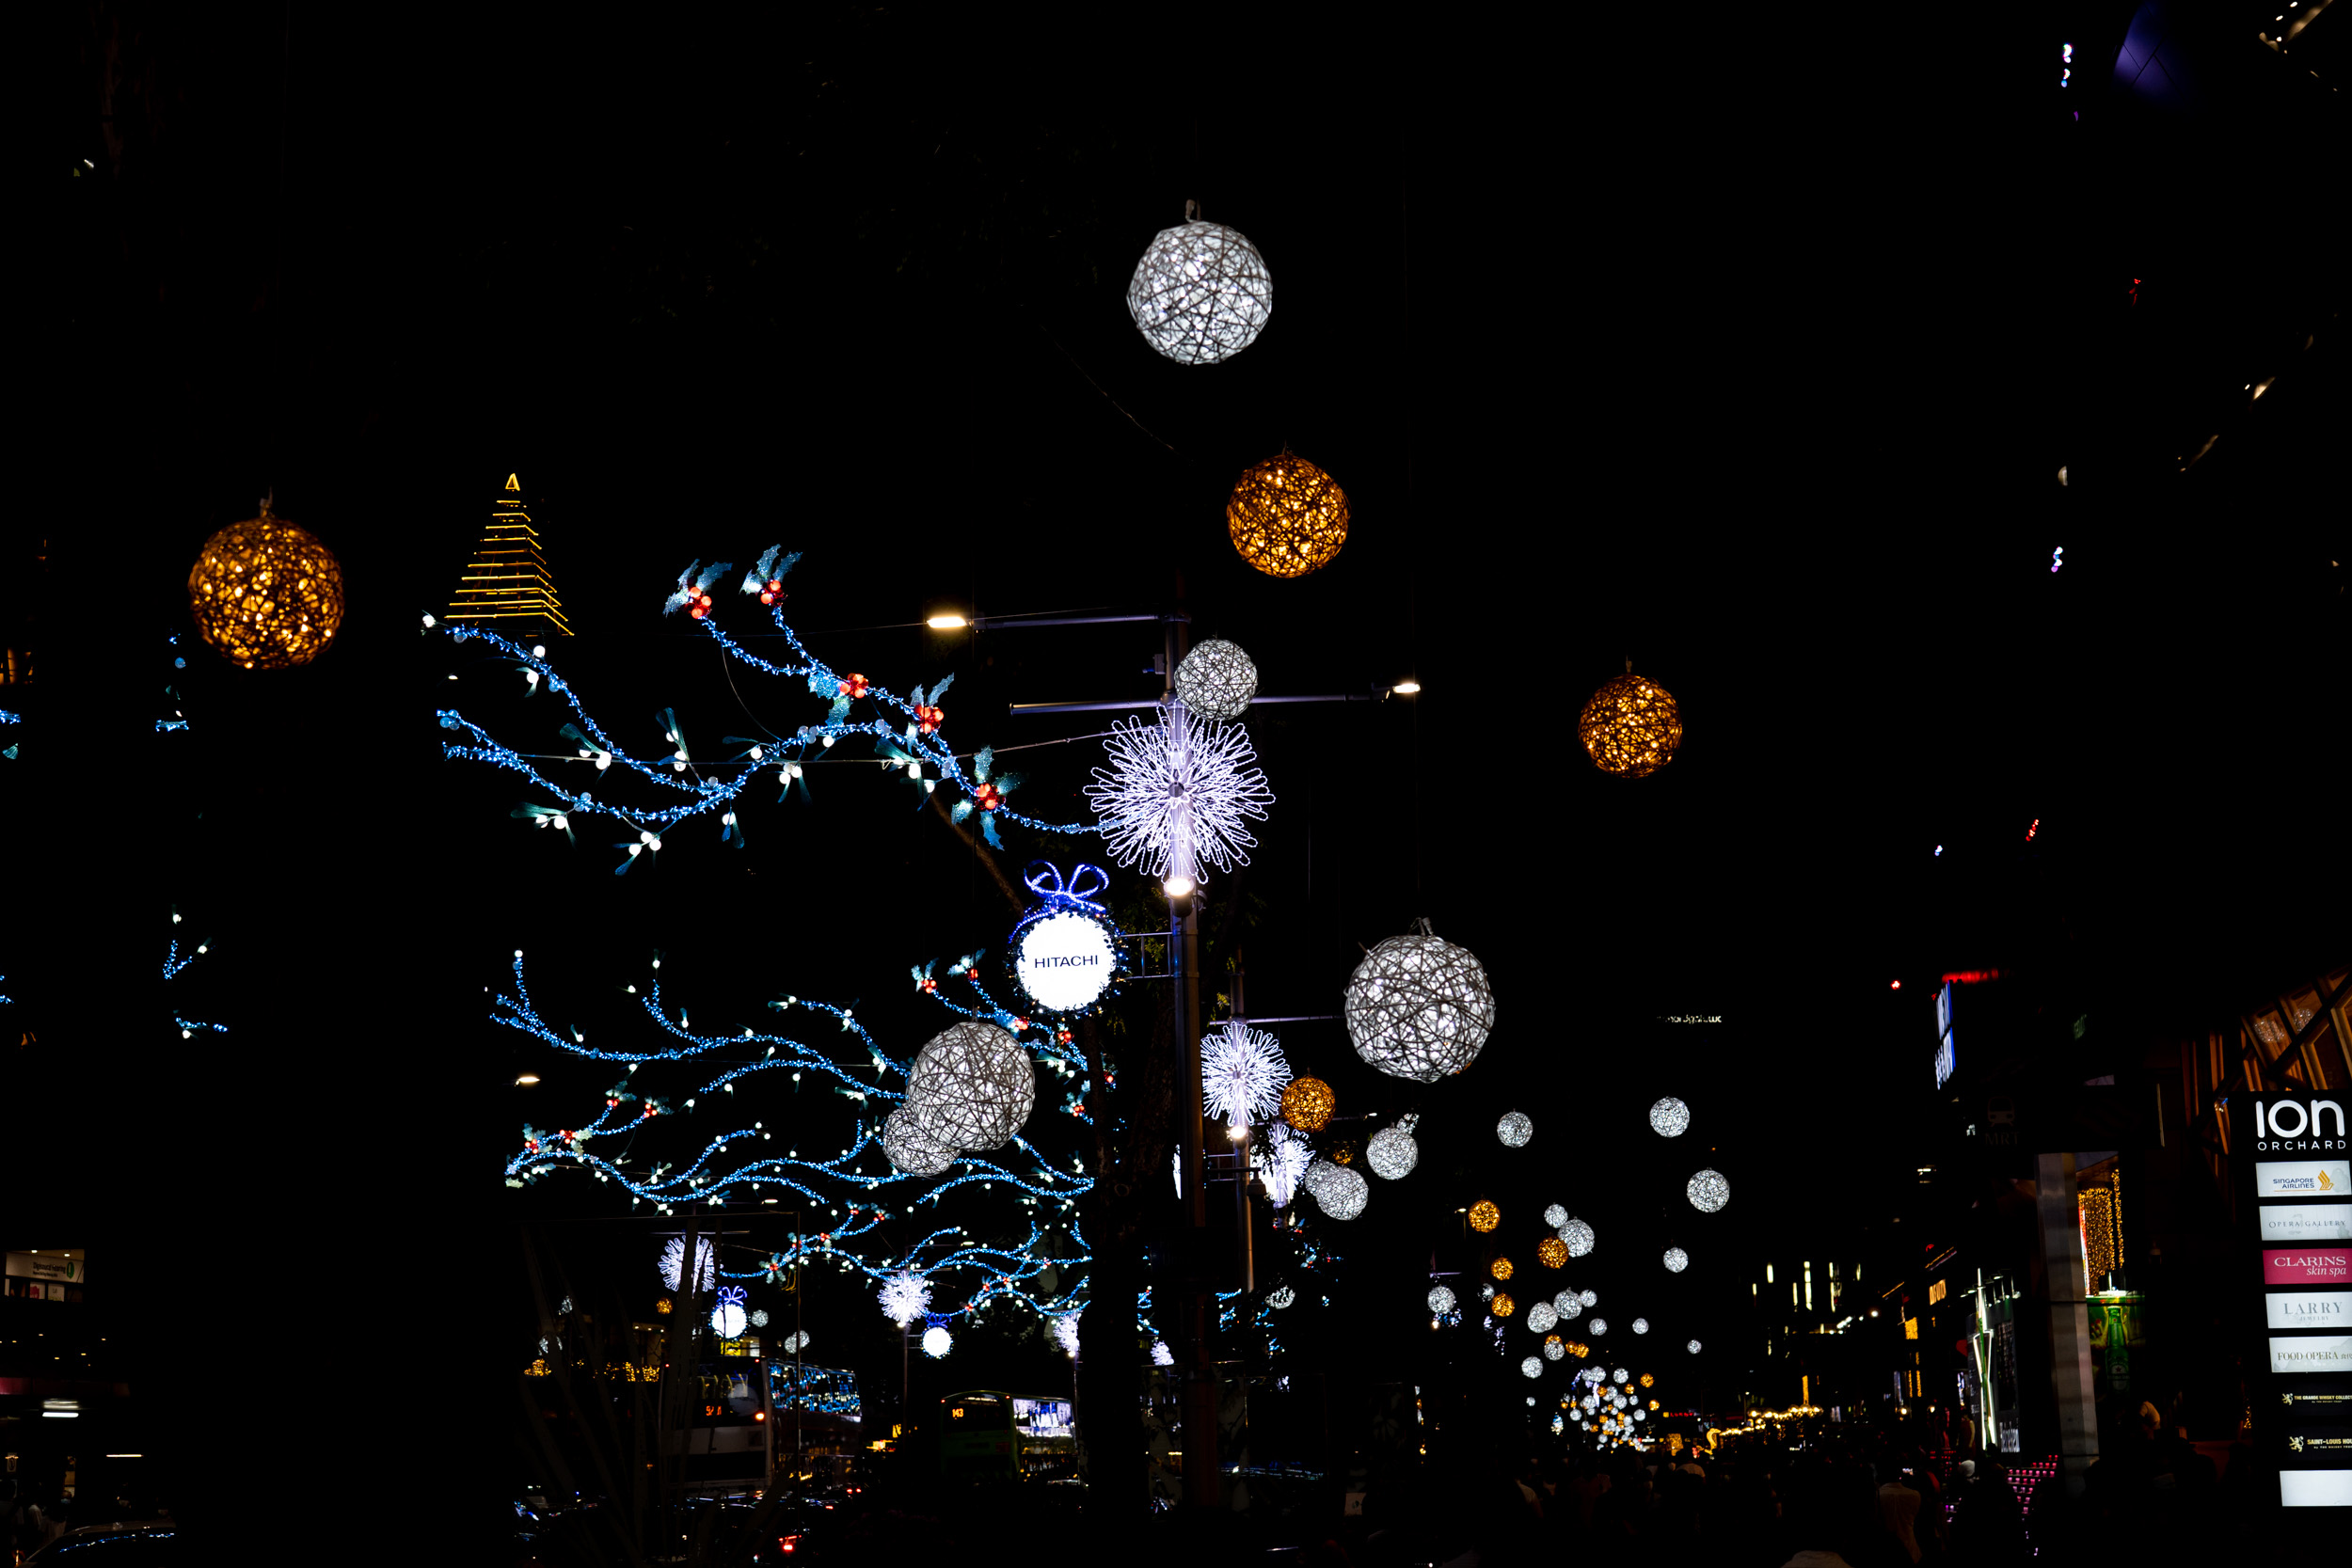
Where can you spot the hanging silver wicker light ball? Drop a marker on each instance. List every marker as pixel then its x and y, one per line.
pixel 1216 680
pixel 971 1087
pixel 1441 1299
pixel 1579 1236
pixel 1201 294
pixel 1555 1216
pixel 906 1146
pixel 1418 1007
pixel 1514 1129
pixel 1709 1191
pixel 1677 1260
pixel 1692 1347
pixel 1641 1325
pixel 1669 1118
pixel 1568 1304
pixel 1340 1189
pixel 1391 1152
pixel 1532 1367
pixel 1542 1316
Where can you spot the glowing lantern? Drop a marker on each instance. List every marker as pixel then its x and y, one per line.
pixel 1287 517
pixel 1630 726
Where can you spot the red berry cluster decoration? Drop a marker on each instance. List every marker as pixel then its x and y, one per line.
pixel 855 686
pixel 927 984
pixel 988 797
pixel 927 720
pixel 773 592
pixel 1061 1036
pixel 698 605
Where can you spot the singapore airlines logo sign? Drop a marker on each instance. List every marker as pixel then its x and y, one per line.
pixel 2281 1125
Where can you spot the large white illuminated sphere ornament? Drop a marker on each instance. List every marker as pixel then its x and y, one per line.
pixel 1599 1325
pixel 1670 1118
pixel 1418 1007
pixel 1340 1189
pixel 1216 680
pixel 1677 1260
pixel 1514 1129
pixel 673 1260
pixel 1391 1152
pixel 1692 1347
pixel 1541 1316
pixel 1579 1236
pixel 1641 1325
pixel 971 1087
pixel 937 1341
pixel 1441 1299
pixel 1201 294
pixel 906 1146
pixel 1709 1191
pixel 1568 1304
pixel 1555 1216
pixel 1064 962
pixel 1531 1366
pixel 727 1321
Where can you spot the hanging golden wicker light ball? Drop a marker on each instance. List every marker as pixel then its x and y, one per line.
pixel 1552 1253
pixel 1502 1304
pixel 265 593
pixel 1500 1268
pixel 1632 726
pixel 1483 1215
pixel 1308 1103
pixel 1287 517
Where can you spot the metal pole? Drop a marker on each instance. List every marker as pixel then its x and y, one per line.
pixel 800 1383
pixel 1202 1490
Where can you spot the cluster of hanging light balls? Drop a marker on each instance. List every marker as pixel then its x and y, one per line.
pixel 971 1090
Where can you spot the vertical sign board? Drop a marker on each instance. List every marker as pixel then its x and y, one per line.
pixel 1944 1061
pixel 2298 1215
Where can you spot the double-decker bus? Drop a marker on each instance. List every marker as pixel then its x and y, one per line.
pixel 728 1441
pixel 989 1434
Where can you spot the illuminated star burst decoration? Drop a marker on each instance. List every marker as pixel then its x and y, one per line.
pixel 1241 1075
pixel 674 1259
pixel 1281 1160
pixel 1177 794
pixel 1066 1334
pixel 1161 1355
pixel 905 1296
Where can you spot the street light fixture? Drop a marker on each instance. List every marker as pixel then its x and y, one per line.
pixel 1406 687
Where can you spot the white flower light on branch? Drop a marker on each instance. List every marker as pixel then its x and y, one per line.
pixel 905 1296
pixel 1555 1216
pixel 1177 793
pixel 1641 1325
pixel 1418 1007
pixel 1579 1236
pixel 1391 1152
pixel 1514 1129
pixel 1281 1159
pixel 1201 294
pixel 1441 1299
pixel 1670 1118
pixel 1709 1191
pixel 1568 1304
pixel 1542 1316
pixel 937 1341
pixel 1216 680
pixel 1677 1260
pixel 1242 1073
pixel 1340 1189
pixel 971 1087
pixel 1531 1366
pixel 673 1259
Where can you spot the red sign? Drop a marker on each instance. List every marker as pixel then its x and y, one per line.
pixel 2302 1266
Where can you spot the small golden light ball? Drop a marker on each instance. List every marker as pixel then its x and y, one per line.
pixel 1500 1268
pixel 1308 1103
pixel 1502 1304
pixel 1485 1215
pixel 1630 727
pixel 265 593
pixel 1287 517
pixel 1551 1252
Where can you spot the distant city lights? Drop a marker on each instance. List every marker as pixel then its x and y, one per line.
pixel 2058 558
pixel 2066 63
pixel 1894 985
pixel 2034 829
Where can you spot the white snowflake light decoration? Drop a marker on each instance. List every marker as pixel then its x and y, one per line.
pixel 1692 1347
pixel 1280 1296
pixel 1677 1260
pixel 937 1341
pixel 1541 1316
pixel 1418 1007
pixel 1281 1160
pixel 1216 680
pixel 1161 1355
pixel 1670 1118
pixel 1066 1334
pixel 1641 1325
pixel 1441 1299
pixel 1514 1129
pixel 1568 1304
pixel 1531 1366
pixel 1241 1075
pixel 1391 1152
pixel 1555 1216
pixel 905 1296
pixel 1177 793
pixel 1579 1236
pixel 1342 1190
pixel 674 1259
pixel 1709 1191
pixel 1201 294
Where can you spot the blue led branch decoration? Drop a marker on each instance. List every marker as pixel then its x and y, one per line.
pixel 681 787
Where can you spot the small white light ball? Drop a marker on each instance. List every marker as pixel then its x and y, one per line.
pixel 1579 1236
pixel 1541 1316
pixel 1677 1260
pixel 1592 1298
pixel 1391 1152
pixel 1620 1376
pixel 1709 1191
pixel 1568 1304
pixel 1340 1189
pixel 1514 1129
pixel 1692 1347
pixel 1216 680
pixel 1670 1118
pixel 1555 1216
pixel 1641 1325
pixel 1554 1350
pixel 1599 1325
pixel 1531 1366
pixel 1440 1300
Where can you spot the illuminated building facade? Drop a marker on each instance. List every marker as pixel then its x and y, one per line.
pixel 506 586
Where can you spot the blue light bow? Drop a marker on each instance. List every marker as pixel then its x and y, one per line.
pixel 730 1295
pixel 1055 895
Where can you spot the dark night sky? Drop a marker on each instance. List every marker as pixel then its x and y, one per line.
pixel 1748 358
